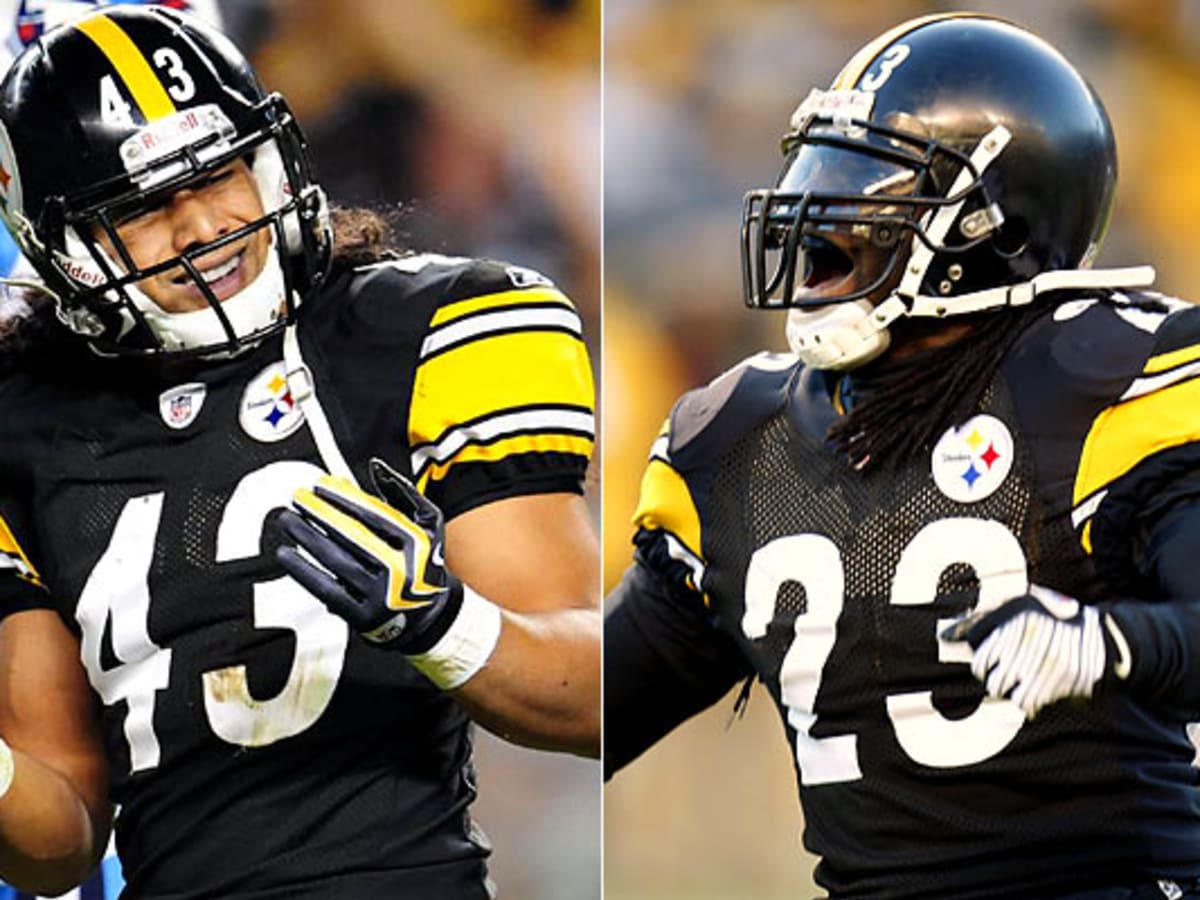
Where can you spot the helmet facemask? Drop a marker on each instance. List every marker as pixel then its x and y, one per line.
pixel 97 280
pixel 856 201
pixel 852 201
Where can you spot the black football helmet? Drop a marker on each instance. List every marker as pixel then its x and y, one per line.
pixel 955 161
pixel 113 114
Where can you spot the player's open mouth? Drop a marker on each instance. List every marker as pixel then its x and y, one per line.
pixel 224 279
pixel 824 263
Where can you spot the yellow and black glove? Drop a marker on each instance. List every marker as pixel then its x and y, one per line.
pixel 377 563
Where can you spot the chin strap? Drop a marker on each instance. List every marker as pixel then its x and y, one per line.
pixel 1025 292
pixel 1021 294
pixel 304 389
pixel 854 333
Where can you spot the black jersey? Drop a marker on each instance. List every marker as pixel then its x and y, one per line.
pixel 762 551
pixel 257 747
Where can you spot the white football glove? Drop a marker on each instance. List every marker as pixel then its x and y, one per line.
pixel 1042 647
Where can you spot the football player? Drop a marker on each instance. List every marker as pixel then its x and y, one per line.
pixel 954 531
pixel 278 701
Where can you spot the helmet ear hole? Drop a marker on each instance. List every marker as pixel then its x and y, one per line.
pixel 1012 237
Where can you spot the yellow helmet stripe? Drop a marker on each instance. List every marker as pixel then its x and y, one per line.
pixel 148 92
pixel 861 61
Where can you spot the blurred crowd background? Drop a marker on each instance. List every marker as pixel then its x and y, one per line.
pixel 697 94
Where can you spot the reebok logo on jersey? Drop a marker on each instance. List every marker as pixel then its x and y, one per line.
pixel 971 461
pixel 269 412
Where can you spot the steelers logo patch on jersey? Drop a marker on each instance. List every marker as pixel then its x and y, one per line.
pixel 269 412
pixel 972 460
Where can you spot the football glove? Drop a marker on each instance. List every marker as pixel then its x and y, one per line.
pixel 1042 647
pixel 377 563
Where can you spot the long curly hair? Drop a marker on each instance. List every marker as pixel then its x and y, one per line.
pixel 903 405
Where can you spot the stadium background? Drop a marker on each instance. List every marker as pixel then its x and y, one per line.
pixel 696 95
pixel 479 124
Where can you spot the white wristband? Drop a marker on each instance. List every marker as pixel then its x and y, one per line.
pixel 466 647
pixel 6 767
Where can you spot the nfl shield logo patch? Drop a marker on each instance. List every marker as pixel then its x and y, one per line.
pixel 180 405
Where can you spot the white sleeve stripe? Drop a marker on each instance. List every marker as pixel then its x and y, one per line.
pixel 527 319
pixel 14 563
pixel 677 550
pixel 658 450
pixel 1087 508
pixel 493 428
pixel 1142 386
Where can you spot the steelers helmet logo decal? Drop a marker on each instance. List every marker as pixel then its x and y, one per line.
pixel 971 461
pixel 269 412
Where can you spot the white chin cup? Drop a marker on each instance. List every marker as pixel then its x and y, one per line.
pixel 256 306
pixel 838 336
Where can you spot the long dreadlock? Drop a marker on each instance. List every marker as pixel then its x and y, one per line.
pixel 904 405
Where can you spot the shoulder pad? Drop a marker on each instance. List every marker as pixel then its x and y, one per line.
pixel 1179 335
pixel 1089 347
pixel 1128 370
pixel 457 277
pixel 707 420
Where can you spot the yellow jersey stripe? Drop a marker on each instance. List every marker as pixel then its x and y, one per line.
pixel 666 504
pixel 1085 539
pixel 496 373
pixel 861 61
pixel 148 93
pixel 11 549
pixel 460 308
pixel 1165 361
pixel 504 448
pixel 1124 435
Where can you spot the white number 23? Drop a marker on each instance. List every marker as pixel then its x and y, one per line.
pixel 925 734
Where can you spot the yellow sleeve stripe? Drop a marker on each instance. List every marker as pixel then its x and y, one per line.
pixel 1165 361
pixel 1125 434
pixel 519 431
pixel 502 449
pixel 495 376
pixel 1086 537
pixel 666 504
pixel 13 558
pixel 147 91
pixel 457 310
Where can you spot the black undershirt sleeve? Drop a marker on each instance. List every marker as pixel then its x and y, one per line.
pixel 664 661
pixel 1164 634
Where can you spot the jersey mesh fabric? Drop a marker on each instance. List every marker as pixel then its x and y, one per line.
pixel 1005 825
